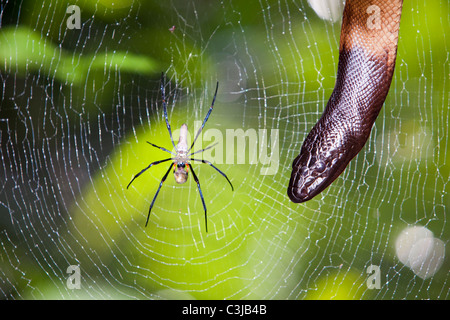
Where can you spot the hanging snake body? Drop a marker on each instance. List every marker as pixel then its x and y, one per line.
pixel 367 53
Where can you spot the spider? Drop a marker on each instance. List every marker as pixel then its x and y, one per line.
pixel 181 160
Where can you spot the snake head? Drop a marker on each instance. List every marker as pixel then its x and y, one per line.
pixel 310 176
pixel 323 157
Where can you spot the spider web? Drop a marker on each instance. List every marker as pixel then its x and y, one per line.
pixel 78 105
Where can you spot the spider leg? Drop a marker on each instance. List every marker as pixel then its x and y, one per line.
pixel 161 148
pixel 223 174
pixel 156 194
pixel 206 118
pixel 198 151
pixel 145 169
pixel 165 110
pixel 201 196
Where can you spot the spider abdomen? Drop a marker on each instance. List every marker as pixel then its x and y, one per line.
pixel 182 146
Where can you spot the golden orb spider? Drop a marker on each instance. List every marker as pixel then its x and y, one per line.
pixel 181 160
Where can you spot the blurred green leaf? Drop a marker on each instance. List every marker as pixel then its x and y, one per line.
pixel 23 50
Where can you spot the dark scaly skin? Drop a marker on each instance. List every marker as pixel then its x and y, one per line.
pixel 367 55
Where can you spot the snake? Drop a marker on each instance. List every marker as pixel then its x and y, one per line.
pixel 367 54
